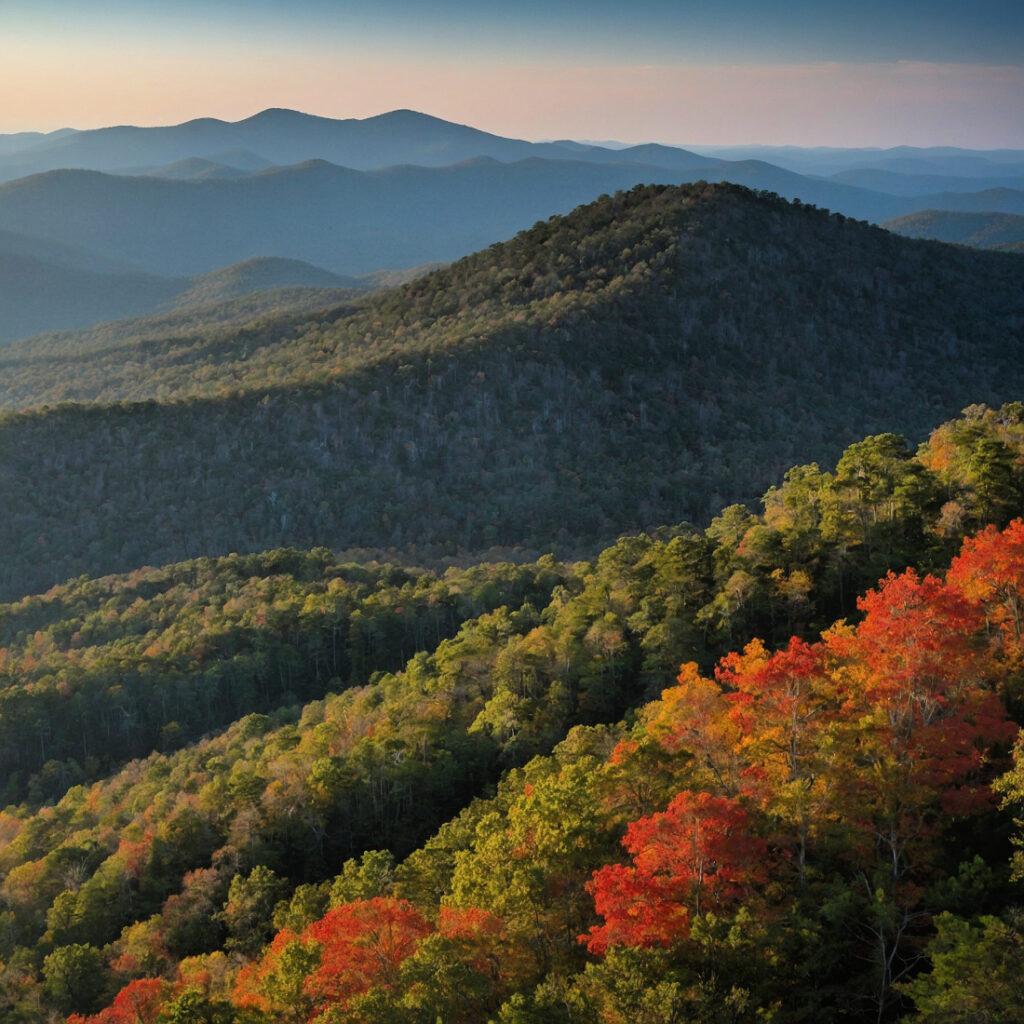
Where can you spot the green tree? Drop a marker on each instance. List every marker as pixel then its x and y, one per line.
pixel 976 972
pixel 75 978
pixel 249 911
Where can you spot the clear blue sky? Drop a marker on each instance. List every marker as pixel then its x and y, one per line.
pixel 855 73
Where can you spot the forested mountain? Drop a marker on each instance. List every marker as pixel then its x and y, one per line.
pixel 643 360
pixel 982 230
pixel 358 859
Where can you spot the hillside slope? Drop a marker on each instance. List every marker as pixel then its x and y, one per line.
pixel 981 230
pixel 601 372
pixel 49 287
pixel 187 331
pixel 181 866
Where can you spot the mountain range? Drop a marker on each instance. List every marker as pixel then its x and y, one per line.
pixel 149 207
pixel 289 137
pixel 356 222
pixel 281 136
pixel 591 627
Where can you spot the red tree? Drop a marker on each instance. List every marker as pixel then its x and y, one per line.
pixel 363 944
pixel 990 571
pixel 351 949
pixel 139 1002
pixel 920 711
pixel 696 855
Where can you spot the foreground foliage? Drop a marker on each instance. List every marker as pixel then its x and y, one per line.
pixel 803 835
pixel 515 826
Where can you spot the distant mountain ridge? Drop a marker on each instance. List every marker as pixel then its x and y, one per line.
pixel 288 137
pixel 902 184
pixel 360 196
pixel 350 222
pixel 46 286
pixel 912 160
pixel 357 222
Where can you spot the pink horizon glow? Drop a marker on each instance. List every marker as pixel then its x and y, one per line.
pixel 823 104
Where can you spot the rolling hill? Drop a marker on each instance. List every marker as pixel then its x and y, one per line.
pixel 256 275
pixel 47 287
pixel 603 371
pixel 981 230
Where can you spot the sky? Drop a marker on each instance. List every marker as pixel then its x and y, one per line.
pixel 806 72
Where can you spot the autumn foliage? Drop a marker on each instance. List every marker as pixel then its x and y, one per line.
pixel 868 737
pixel 990 572
pixel 696 855
pixel 351 949
pixel 139 1002
pixel 825 770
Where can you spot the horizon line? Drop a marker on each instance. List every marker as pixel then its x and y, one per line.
pixel 544 140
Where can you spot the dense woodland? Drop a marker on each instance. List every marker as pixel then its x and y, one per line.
pixel 100 671
pixel 589 377
pixel 493 795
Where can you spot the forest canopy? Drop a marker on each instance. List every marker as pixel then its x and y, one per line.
pixel 494 794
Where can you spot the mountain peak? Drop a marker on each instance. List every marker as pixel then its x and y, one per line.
pixel 406 114
pixel 281 115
